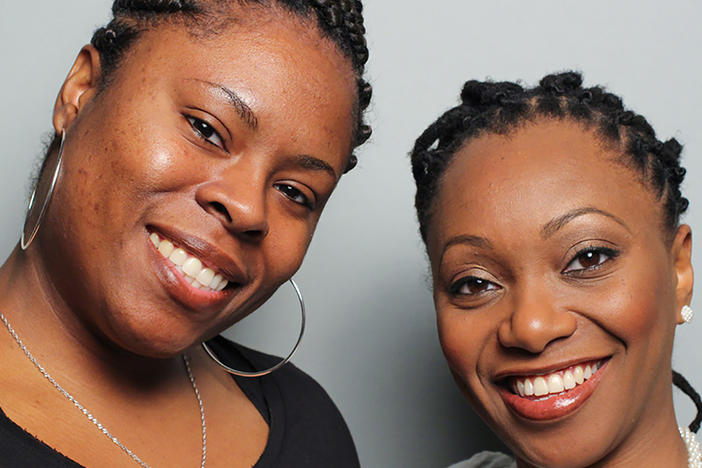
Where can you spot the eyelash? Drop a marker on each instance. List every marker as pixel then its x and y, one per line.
pixel 202 128
pixel 455 288
pixel 609 253
pixel 295 195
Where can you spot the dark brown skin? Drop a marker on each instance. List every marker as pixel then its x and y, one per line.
pixel 541 304
pixel 84 297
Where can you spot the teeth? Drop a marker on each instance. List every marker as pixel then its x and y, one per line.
pixel 178 257
pixel 555 382
pixel 192 266
pixel 540 386
pixel 165 247
pixel 568 380
pixel 205 276
pixel 189 266
pixel 215 281
pixel 528 387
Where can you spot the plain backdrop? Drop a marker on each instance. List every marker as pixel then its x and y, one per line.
pixel 371 337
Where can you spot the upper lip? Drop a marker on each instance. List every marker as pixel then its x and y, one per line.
pixel 211 255
pixel 545 369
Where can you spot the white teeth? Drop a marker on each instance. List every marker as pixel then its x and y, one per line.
pixel 165 247
pixel 540 386
pixel 205 276
pixel 568 380
pixel 178 257
pixel 215 281
pixel 528 387
pixel 555 382
pixel 190 267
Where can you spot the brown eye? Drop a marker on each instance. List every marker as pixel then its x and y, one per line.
pixel 471 286
pixel 590 259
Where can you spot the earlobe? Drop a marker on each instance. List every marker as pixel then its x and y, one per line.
pixel 80 86
pixel 682 258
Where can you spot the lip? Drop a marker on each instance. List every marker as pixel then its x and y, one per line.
pixel 556 406
pixel 210 254
pixel 174 282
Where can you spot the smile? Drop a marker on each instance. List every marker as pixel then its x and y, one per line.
pixel 187 264
pixel 552 395
pixel 555 382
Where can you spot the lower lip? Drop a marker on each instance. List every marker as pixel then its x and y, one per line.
pixel 556 406
pixel 182 291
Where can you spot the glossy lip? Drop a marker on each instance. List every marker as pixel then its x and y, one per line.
pixel 210 255
pixel 183 292
pixel 556 406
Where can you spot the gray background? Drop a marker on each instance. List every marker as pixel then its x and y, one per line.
pixel 371 337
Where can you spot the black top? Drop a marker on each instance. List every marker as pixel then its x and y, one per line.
pixel 306 429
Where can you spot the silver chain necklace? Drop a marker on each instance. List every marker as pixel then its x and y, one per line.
pixel 93 419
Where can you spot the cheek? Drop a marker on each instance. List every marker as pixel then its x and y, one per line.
pixel 462 335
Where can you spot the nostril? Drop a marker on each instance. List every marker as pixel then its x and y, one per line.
pixel 221 209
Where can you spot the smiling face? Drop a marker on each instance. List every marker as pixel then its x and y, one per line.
pixel 227 148
pixel 557 292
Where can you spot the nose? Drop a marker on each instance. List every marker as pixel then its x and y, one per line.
pixel 238 201
pixel 535 322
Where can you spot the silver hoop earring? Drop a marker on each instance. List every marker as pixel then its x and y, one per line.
pixel 241 373
pixel 686 313
pixel 26 240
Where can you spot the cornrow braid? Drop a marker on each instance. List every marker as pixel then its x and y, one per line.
pixel 499 107
pixel 339 20
pixel 682 383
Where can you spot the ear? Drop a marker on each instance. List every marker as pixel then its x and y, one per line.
pixel 78 89
pixel 682 264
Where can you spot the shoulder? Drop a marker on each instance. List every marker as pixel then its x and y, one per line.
pixel 487 460
pixel 307 429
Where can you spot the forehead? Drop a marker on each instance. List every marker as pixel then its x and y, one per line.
pixel 514 184
pixel 276 62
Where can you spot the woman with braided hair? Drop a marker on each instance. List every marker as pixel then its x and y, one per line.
pixel 196 144
pixel 560 272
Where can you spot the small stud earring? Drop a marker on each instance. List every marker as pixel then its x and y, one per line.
pixel 686 313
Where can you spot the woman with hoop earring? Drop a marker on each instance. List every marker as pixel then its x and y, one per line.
pixel 180 191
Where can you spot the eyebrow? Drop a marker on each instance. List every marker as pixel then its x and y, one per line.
pixel 244 111
pixel 310 162
pixel 557 223
pixel 475 241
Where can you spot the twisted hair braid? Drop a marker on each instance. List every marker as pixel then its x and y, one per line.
pixel 499 107
pixel 341 21
pixel 682 383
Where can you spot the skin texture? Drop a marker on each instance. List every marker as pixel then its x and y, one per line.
pixel 542 304
pixel 89 298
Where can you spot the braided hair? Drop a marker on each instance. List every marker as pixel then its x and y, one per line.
pixel 341 21
pixel 497 108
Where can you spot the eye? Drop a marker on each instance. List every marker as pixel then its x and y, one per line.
pixel 471 286
pixel 206 131
pixel 590 258
pixel 294 194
